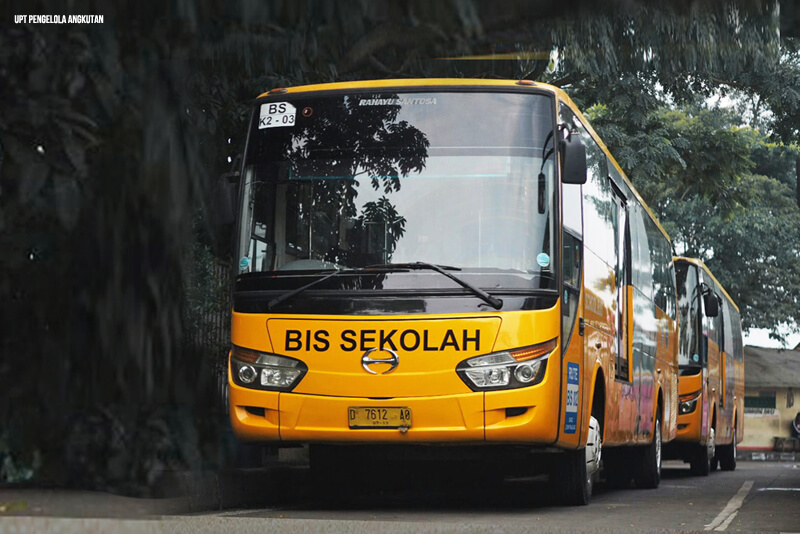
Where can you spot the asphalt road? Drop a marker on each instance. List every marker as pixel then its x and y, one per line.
pixel 757 497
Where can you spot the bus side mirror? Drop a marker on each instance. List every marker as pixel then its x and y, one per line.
pixel 573 160
pixel 711 304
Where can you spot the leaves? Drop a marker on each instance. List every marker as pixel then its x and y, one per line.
pixel 137 117
pixel 724 193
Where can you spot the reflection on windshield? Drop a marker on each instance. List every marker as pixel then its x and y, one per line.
pixel 688 305
pixel 446 178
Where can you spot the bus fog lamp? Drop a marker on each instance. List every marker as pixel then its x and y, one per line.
pixel 247 374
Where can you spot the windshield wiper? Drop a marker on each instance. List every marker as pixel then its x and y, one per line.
pixel 492 301
pixel 274 302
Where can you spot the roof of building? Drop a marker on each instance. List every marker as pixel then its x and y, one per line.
pixel 766 368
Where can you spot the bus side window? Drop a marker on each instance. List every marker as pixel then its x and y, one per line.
pixel 571 261
pixel 599 210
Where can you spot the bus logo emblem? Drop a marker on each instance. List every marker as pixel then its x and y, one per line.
pixel 367 360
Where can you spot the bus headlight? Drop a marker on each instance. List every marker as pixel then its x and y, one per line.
pixel 506 369
pixel 688 405
pixel 261 370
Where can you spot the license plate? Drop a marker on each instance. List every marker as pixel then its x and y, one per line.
pixel 383 417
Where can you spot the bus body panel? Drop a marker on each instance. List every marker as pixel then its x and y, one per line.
pixel 691 426
pixel 713 388
pixel 247 423
pixel 571 357
pixel 537 424
pixel 316 410
pixel 738 397
pixel 599 312
pixel 446 418
pixel 249 330
pixel 428 351
pixel 667 375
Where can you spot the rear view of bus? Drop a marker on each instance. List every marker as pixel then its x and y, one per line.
pixel 711 383
pixel 403 281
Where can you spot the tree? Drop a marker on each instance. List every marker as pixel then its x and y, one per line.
pixel 724 194
pixel 112 135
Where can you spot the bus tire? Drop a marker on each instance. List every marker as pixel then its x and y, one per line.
pixel 648 470
pixel 727 454
pixel 700 463
pixel 573 485
pixel 576 471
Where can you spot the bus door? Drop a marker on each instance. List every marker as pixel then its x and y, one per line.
pixel 694 343
pixel 710 355
pixel 621 365
pixel 728 370
pixel 623 370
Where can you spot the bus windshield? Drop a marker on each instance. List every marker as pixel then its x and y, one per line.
pixel 459 179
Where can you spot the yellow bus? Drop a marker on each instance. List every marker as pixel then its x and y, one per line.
pixel 711 362
pixel 455 268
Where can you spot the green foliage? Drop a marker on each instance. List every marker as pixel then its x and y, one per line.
pixel 756 255
pixel 207 306
pixel 725 195
pixel 670 41
pixel 112 135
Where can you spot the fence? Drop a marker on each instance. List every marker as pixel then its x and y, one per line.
pixel 210 310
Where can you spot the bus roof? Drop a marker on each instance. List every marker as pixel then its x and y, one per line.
pixel 411 82
pixel 468 82
pixel 699 263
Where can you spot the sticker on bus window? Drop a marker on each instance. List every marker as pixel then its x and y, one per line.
pixel 543 259
pixel 276 115
pixel 573 389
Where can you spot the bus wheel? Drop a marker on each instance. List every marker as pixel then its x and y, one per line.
pixel 575 471
pixel 648 469
pixel 700 464
pixel 727 455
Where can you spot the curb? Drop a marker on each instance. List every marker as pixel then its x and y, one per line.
pixel 768 456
